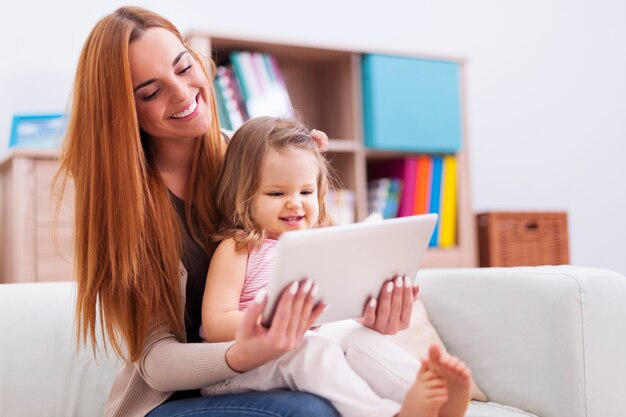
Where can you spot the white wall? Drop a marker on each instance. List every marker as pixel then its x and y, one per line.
pixel 546 85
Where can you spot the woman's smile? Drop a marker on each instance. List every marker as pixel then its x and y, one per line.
pixel 188 113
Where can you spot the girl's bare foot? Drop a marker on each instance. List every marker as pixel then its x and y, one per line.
pixel 426 396
pixel 457 377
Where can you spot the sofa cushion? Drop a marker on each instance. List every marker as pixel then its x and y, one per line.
pixel 420 335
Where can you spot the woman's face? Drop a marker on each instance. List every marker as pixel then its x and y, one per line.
pixel 171 91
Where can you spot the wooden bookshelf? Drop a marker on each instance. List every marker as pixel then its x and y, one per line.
pixel 325 88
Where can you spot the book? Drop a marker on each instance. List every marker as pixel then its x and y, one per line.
pixel 251 90
pixel 435 197
pixel 263 88
pixel 237 92
pixel 269 102
pixel 222 113
pixel 279 84
pixel 236 86
pixel 404 170
pixel 392 205
pixel 239 72
pixel 383 196
pixel 447 223
pixel 377 195
pixel 226 88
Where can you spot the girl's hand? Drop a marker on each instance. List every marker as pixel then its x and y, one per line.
pixel 256 344
pixel 392 312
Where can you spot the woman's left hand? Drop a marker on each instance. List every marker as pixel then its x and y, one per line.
pixel 392 311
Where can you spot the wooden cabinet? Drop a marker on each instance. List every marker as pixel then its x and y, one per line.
pixel 31 250
pixel 325 86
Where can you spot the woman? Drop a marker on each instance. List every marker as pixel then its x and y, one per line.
pixel 143 150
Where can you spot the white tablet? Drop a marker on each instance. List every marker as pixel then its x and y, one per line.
pixel 349 263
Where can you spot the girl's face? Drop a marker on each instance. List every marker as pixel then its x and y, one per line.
pixel 171 91
pixel 287 196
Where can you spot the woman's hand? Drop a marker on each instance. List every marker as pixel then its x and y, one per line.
pixel 392 312
pixel 321 138
pixel 256 344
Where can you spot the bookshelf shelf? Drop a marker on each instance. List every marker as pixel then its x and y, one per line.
pixel 342 145
pixel 326 89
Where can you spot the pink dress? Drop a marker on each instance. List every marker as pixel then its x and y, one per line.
pixel 258 271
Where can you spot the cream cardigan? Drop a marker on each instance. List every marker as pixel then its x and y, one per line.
pixel 166 365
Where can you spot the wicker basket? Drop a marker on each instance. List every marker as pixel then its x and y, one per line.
pixel 522 238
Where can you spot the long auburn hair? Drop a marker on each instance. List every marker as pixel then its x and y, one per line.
pixel 127 234
pixel 240 176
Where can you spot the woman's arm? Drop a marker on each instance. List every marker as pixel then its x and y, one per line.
pixel 167 364
pixel 220 304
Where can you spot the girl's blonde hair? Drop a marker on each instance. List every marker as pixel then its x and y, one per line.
pixel 240 176
pixel 128 240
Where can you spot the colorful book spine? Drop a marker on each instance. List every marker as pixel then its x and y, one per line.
pixel 392 204
pixel 269 102
pixel 243 67
pixel 377 195
pixel 423 179
pixel 435 197
pixel 408 190
pixel 263 87
pixel 221 108
pixel 226 87
pixel 240 73
pixel 383 197
pixel 448 220
pixel 279 84
pixel 236 86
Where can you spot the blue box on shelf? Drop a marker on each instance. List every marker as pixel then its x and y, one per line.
pixel 38 130
pixel 411 104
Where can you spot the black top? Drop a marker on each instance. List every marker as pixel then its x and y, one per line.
pixel 196 262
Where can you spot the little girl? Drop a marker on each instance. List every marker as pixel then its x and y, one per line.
pixel 274 179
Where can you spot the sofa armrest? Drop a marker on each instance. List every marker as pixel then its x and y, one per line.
pixel 42 372
pixel 550 340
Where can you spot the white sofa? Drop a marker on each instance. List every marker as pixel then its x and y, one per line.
pixel 550 341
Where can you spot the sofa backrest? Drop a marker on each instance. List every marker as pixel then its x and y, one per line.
pixel 42 373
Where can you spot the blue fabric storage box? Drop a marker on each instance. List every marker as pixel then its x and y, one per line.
pixel 411 104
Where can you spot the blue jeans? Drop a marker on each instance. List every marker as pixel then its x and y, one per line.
pixel 251 404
